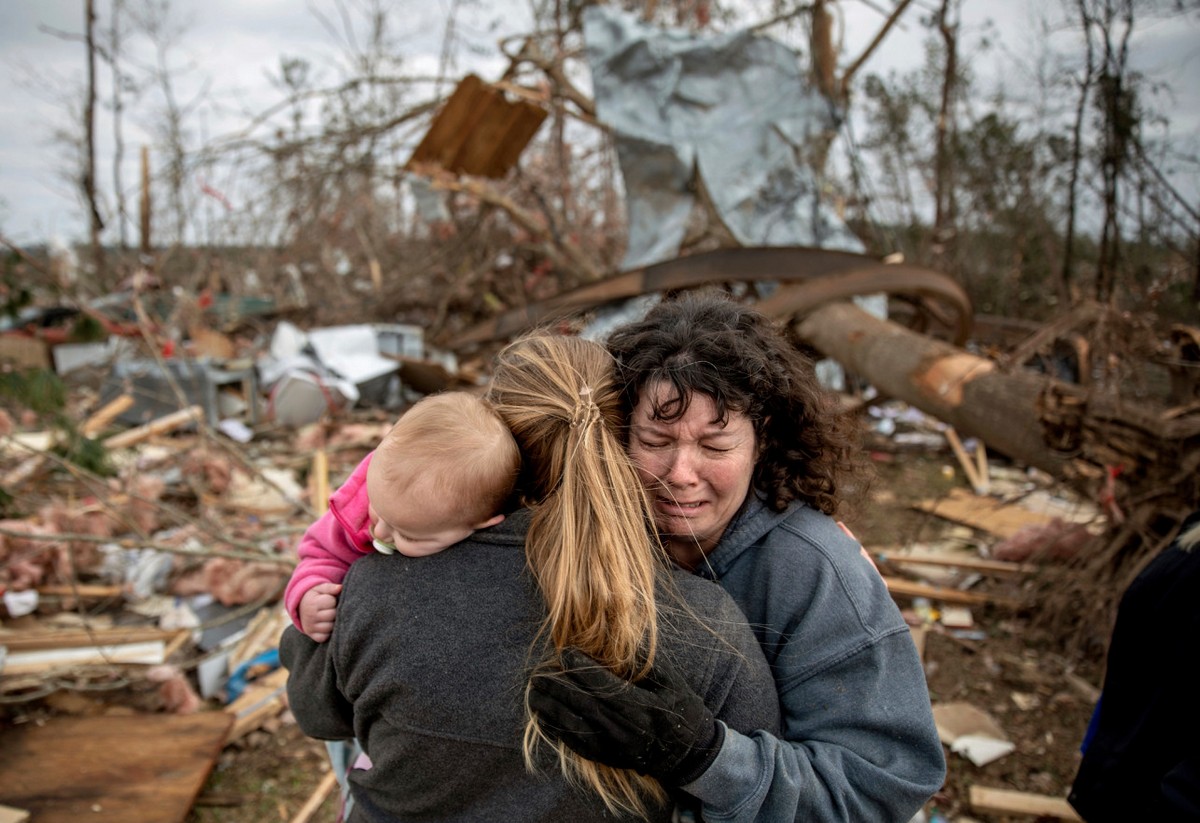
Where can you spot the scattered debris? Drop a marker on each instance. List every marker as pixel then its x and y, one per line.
pixel 220 454
pixel 971 732
pixel 1055 540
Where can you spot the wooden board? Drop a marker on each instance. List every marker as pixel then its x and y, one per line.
pixel 24 352
pixel 263 699
pixel 134 769
pixel 976 564
pixel 1008 802
pixel 38 639
pixel 478 131
pixel 909 588
pixel 983 513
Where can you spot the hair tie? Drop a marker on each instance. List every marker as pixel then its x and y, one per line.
pixel 586 410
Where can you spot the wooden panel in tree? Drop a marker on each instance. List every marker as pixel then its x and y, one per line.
pixel 478 131
pixel 133 769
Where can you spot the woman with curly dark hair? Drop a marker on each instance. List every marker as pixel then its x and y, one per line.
pixel 746 462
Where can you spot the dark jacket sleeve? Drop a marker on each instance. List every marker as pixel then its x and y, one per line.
pixel 321 710
pixel 742 687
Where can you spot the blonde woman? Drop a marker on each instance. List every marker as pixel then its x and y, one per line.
pixel 430 657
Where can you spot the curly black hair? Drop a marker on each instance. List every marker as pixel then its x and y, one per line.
pixel 705 342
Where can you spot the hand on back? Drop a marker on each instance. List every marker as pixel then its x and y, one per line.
pixel 658 726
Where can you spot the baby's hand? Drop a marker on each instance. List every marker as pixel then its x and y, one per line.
pixel 318 607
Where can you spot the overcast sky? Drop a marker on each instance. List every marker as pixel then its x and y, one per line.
pixel 229 48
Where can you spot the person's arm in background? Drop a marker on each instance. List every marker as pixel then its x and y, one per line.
pixel 327 549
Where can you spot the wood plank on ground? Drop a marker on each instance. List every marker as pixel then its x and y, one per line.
pixel 977 564
pixel 909 588
pixel 145 768
pixel 38 639
pixel 985 513
pixel 263 699
pixel 1009 802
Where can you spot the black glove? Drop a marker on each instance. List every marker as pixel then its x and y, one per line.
pixel 657 726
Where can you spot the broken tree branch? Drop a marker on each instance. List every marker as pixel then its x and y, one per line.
pixel 852 69
pixel 531 52
pixel 564 253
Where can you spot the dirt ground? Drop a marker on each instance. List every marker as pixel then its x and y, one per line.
pixel 1038 697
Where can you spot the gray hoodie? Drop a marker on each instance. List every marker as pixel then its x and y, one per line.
pixel 859 741
pixel 427 667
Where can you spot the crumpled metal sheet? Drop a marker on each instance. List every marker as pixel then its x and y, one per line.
pixel 735 109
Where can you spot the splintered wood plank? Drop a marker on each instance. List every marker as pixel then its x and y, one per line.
pixel 133 769
pixel 984 513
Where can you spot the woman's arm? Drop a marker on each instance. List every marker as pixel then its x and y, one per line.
pixel 863 753
pixel 320 709
pixel 844 754
pixel 858 739
pixel 671 724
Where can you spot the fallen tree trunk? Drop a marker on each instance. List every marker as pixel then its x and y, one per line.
pixel 1105 446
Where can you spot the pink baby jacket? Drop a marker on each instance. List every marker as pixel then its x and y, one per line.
pixel 338 538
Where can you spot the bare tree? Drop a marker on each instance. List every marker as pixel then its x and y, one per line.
pixel 1085 90
pixel 1118 122
pixel 944 214
pixel 156 20
pixel 118 115
pixel 95 222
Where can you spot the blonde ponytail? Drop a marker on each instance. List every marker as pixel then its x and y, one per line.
pixel 589 546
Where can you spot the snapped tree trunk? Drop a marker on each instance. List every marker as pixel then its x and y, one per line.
pixel 1144 456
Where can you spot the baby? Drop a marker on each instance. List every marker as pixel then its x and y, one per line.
pixel 444 470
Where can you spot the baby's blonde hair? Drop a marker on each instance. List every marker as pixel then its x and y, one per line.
pixel 456 447
pixel 589 546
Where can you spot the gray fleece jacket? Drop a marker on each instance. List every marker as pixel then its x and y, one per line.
pixel 427 667
pixel 859 742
